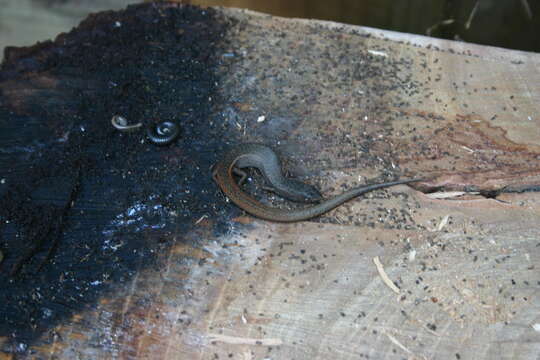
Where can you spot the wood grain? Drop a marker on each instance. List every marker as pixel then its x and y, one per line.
pixel 344 104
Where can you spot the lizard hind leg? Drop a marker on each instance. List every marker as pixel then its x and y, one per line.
pixel 243 175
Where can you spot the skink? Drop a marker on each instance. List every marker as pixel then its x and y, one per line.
pixel 264 158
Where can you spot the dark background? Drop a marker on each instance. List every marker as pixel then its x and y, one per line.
pixel 513 24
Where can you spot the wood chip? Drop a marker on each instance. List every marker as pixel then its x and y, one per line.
pixel 443 223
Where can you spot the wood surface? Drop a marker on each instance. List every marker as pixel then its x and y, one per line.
pixel 346 104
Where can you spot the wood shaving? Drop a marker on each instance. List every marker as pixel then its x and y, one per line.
pixel 384 276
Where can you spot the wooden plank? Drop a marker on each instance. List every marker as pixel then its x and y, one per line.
pixel 342 104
